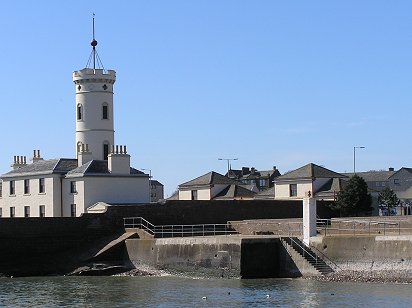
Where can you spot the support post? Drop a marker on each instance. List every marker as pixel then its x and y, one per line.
pixel 309 219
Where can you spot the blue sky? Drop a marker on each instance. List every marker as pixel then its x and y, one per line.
pixel 272 83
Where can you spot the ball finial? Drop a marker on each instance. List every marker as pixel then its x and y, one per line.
pixel 94 43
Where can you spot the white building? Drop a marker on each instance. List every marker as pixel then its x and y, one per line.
pixel 309 180
pixel 101 171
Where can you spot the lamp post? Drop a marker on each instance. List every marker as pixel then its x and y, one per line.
pixel 150 182
pixel 354 158
pixel 228 163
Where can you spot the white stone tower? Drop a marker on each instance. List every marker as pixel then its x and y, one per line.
pixel 94 107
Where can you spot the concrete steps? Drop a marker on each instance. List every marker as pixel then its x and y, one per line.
pixel 307 254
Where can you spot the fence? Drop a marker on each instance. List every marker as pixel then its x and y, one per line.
pixel 328 227
pixel 166 231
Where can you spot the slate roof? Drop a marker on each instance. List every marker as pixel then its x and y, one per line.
pixel 155 182
pixel 331 188
pixel 96 167
pixel 60 166
pixel 234 191
pixel 208 179
pixel 373 176
pixel 238 174
pixel 266 194
pixel 310 171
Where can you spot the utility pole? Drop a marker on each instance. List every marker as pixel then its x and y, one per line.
pixel 228 162
pixel 354 158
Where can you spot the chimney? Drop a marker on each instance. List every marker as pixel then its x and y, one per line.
pixel 274 167
pixel 118 161
pixel 391 169
pixel 84 155
pixel 18 162
pixel 36 156
pixel 245 170
pixel 252 170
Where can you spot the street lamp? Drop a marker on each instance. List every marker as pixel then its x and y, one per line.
pixel 150 182
pixel 228 164
pixel 354 158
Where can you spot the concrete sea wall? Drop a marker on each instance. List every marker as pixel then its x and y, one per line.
pixel 367 253
pixel 219 256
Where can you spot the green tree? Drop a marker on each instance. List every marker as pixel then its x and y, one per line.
pixel 354 199
pixel 387 199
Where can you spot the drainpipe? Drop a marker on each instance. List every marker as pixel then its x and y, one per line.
pixel 61 195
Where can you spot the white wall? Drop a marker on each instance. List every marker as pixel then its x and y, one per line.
pixel 202 194
pixel 50 199
pixel 109 189
pixel 92 129
pixel 185 195
pixel 282 189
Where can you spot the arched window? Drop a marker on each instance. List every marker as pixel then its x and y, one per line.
pixel 105 111
pixel 79 146
pixel 79 112
pixel 105 150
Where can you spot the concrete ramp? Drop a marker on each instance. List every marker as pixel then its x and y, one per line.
pixel 115 242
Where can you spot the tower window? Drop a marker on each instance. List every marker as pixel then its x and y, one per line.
pixel 105 111
pixel 105 151
pixel 79 112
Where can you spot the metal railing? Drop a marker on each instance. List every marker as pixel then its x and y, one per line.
pixel 326 259
pixel 303 249
pixel 166 231
pixel 328 227
pixel 139 222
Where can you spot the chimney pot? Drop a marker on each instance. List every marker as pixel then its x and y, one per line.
pixel 117 149
pixel 38 153
pixel 34 153
pixel 125 151
pixel 121 149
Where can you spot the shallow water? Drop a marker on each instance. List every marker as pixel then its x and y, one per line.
pixel 188 292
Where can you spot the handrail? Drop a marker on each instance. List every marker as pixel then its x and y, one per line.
pixel 313 257
pixel 178 230
pixel 326 257
pixel 364 226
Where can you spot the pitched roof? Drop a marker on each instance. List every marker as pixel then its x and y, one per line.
pixel 373 176
pixel 156 182
pixel 234 191
pixel 266 194
pixel 310 171
pixel 210 178
pixel 61 166
pixel 96 167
